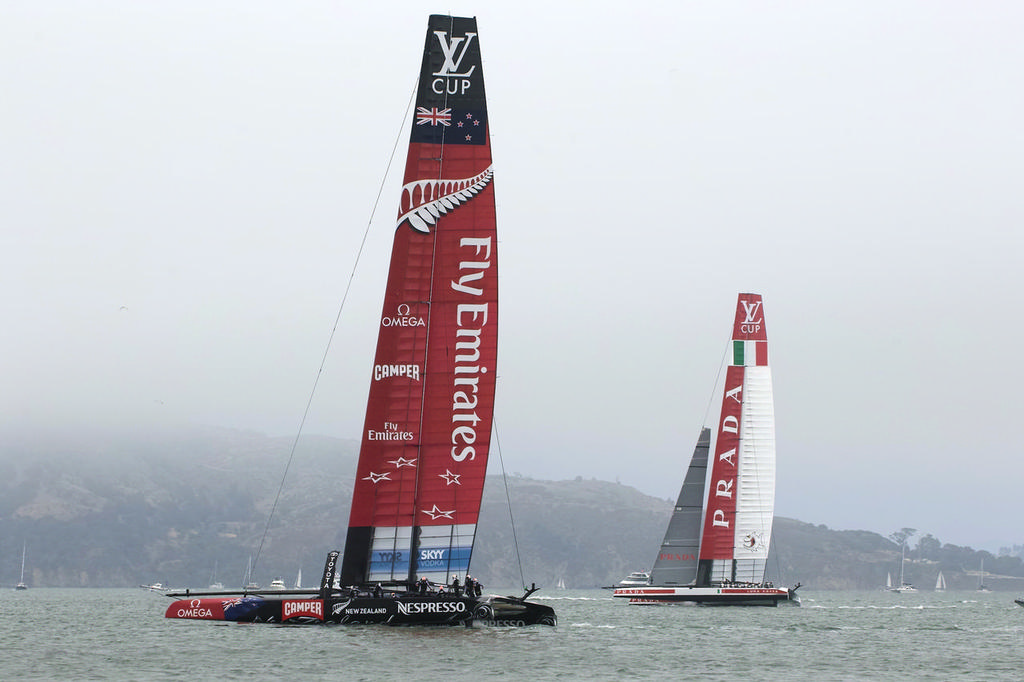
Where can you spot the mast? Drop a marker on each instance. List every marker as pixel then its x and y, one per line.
pixel 741 495
pixel 903 560
pixel 426 436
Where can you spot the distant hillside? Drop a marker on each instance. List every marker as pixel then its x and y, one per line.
pixel 101 510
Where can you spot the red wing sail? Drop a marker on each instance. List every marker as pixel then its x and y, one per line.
pixel 741 491
pixel 719 520
pixel 428 419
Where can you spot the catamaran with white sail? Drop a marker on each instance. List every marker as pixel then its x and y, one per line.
pixel 716 546
pixel 425 442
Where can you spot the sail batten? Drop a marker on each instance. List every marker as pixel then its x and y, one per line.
pixel 423 456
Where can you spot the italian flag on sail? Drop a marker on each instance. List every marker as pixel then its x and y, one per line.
pixel 749 353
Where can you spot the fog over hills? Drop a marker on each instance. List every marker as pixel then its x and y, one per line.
pixel 187 507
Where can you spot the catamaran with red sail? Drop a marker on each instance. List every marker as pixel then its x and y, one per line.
pixel 716 546
pixel 426 436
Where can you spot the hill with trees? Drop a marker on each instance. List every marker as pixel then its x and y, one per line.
pixel 112 510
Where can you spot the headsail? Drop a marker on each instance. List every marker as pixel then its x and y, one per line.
pixel 677 560
pixel 427 432
pixel 741 495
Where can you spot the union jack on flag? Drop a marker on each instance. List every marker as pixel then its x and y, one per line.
pixel 433 116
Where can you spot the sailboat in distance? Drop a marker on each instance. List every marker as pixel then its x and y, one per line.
pixel 903 587
pixel 22 585
pixel 715 550
pixel 423 456
pixel 982 587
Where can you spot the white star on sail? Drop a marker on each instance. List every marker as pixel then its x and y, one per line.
pixel 450 477
pixel 376 478
pixel 436 513
pixel 402 462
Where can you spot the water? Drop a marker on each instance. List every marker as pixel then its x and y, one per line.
pixel 49 634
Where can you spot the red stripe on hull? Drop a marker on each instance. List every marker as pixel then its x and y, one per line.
pixel 713 596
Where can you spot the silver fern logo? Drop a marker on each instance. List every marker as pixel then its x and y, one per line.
pixel 424 201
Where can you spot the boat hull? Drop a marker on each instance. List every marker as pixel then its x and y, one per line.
pixel 709 596
pixel 407 609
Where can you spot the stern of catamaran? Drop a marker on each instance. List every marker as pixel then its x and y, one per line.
pixel 511 611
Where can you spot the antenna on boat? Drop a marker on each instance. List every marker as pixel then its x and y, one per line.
pixel 334 329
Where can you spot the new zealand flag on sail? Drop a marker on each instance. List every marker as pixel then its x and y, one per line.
pixel 451 125
pixel 450 102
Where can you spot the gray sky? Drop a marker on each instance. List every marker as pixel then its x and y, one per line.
pixel 184 187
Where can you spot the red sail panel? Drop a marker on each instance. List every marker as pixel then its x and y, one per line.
pixel 426 437
pixel 719 520
pixel 749 322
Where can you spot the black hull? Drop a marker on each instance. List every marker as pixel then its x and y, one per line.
pixel 391 604
pixel 298 607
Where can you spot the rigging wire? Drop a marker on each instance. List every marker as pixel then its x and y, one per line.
pixel 714 388
pixel 334 329
pixel 508 499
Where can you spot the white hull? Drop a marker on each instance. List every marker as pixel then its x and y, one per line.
pixel 714 596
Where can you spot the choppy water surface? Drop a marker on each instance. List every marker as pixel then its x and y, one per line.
pixel 52 634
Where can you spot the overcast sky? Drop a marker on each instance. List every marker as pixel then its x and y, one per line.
pixel 184 187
